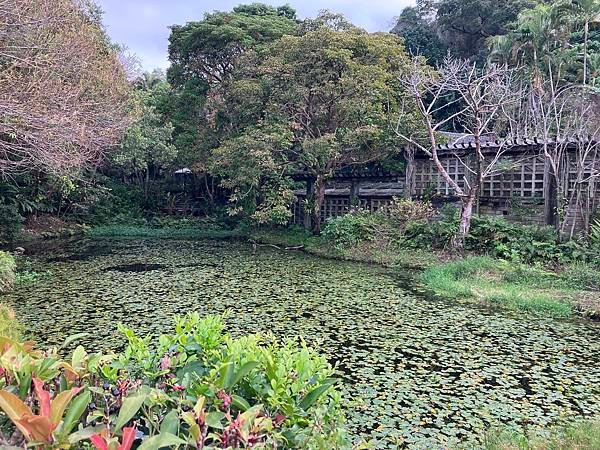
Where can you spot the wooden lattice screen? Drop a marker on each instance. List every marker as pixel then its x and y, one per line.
pixel 522 178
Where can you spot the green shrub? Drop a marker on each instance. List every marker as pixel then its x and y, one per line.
pixel 402 212
pixel 7 271
pixel 498 238
pixel 197 387
pixel 582 276
pixel 10 223
pixel 9 326
pixel 357 226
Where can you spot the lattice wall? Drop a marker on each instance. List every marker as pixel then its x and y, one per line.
pixel 516 179
pixel 428 179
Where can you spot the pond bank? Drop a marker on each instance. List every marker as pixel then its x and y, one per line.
pixel 426 372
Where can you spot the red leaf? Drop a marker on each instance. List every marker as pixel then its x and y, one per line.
pixel 128 438
pixel 44 397
pixel 99 442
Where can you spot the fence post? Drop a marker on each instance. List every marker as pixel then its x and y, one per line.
pixel 310 194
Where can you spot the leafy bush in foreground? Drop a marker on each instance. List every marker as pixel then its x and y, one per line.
pixel 195 388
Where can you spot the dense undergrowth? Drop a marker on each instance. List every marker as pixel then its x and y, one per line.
pixel 197 387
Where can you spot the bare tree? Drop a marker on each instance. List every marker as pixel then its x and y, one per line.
pixel 565 118
pixel 63 87
pixel 481 99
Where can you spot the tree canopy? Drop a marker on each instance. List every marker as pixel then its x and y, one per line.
pixel 328 94
pixel 63 88
pixel 459 26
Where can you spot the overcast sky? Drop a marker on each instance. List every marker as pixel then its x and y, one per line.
pixel 142 25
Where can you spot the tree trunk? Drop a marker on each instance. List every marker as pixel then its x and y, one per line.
pixel 551 198
pixel 409 180
pixel 585 51
pixel 466 213
pixel 318 203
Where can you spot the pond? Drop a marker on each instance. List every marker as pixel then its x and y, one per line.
pixel 424 372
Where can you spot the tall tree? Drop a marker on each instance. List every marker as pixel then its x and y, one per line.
pixel 63 88
pixel 535 42
pixel 466 24
pixel 147 147
pixel 208 49
pixel 333 92
pixel 586 12
pixel 204 54
pixel 416 25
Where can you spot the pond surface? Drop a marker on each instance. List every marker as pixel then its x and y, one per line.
pixel 426 373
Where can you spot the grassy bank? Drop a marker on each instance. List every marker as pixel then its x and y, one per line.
pixel 577 436
pixel 516 286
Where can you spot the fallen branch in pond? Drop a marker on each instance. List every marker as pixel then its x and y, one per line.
pixel 256 244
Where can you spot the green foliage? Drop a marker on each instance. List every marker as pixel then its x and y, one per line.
pixel 466 24
pixel 147 148
pixel 195 387
pixel 249 165
pixel 499 238
pixel 347 78
pixel 9 325
pixel 204 54
pixel 350 229
pixel 420 34
pixel 583 276
pixel 549 39
pixel 208 49
pixel 10 223
pixel 460 27
pixel 7 271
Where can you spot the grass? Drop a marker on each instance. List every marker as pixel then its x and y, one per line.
pixel 511 285
pixel 577 436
